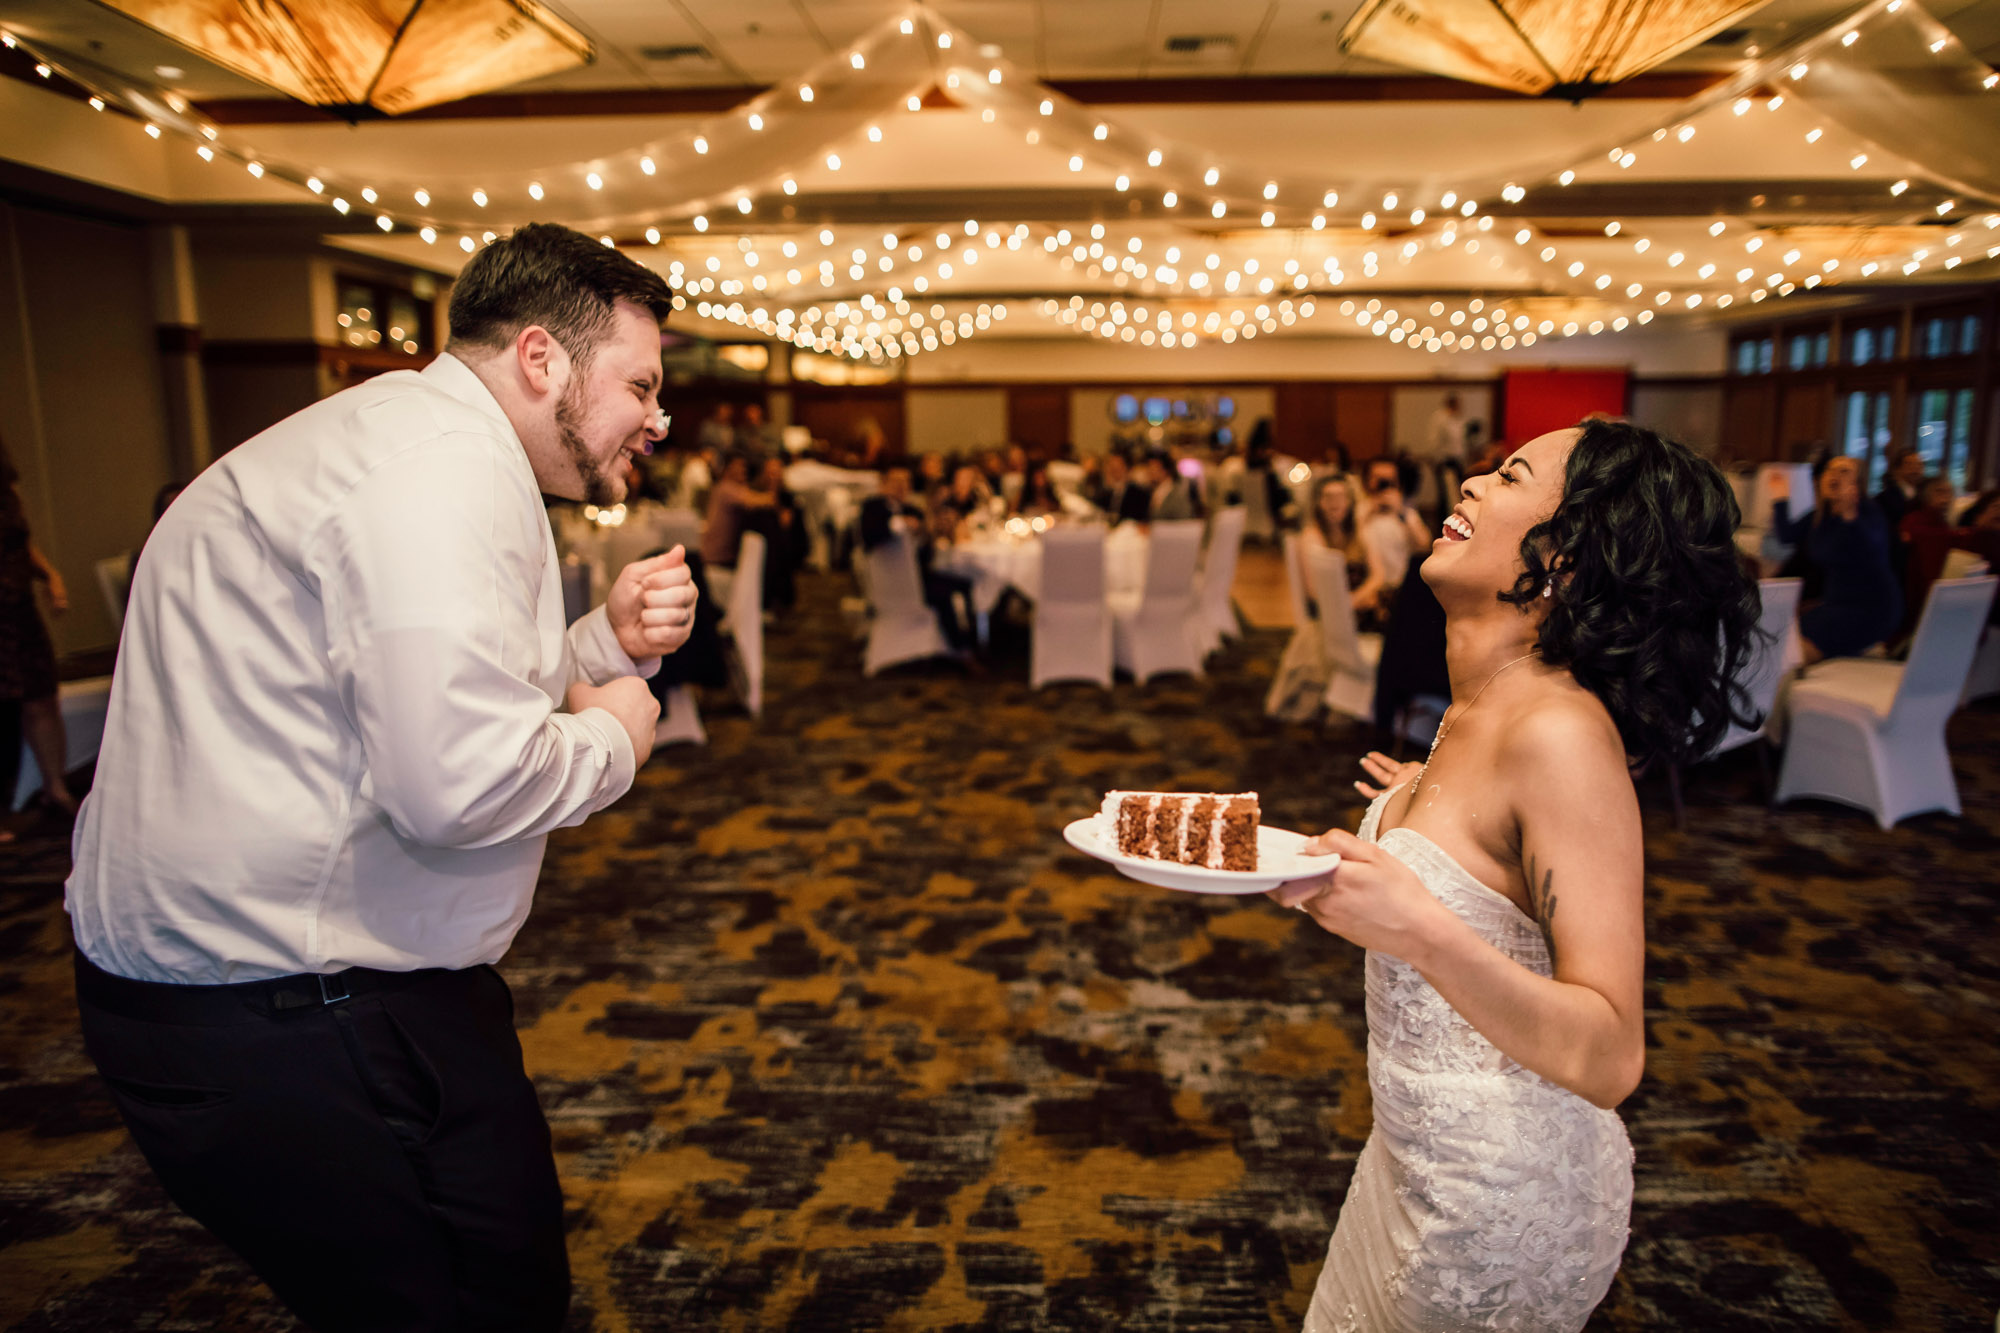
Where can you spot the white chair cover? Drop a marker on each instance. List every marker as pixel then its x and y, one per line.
pixel 1301 671
pixel 1157 632
pixel 1217 616
pixel 744 621
pixel 114 580
pixel 902 628
pixel 680 719
pixel 1072 619
pixel 1258 523
pixel 1765 670
pixel 1870 733
pixel 1351 657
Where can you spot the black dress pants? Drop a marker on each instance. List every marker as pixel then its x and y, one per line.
pixel 379 1159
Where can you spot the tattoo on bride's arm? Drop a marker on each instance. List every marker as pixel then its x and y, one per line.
pixel 1542 899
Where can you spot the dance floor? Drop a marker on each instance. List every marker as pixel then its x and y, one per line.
pixel 836 1034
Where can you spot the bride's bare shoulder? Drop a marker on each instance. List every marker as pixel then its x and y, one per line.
pixel 1563 731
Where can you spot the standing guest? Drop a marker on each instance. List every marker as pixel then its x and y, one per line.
pixel 28 699
pixel 1902 492
pixel 1595 619
pixel 730 503
pixel 1013 474
pixel 346 717
pixel 784 529
pixel 1847 539
pixel 889 514
pixel 1389 524
pixel 1441 457
pixel 718 430
pixel 756 436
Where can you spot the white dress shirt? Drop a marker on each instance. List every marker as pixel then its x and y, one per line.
pixel 333 738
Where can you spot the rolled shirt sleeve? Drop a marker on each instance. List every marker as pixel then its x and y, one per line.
pixel 435 636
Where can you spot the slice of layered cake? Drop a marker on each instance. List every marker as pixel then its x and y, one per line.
pixel 1206 829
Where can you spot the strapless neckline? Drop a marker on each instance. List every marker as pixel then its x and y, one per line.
pixel 1449 861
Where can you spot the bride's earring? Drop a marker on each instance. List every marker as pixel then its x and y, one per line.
pixel 1548 590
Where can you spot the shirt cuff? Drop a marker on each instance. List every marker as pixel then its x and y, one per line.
pixel 618 774
pixel 599 658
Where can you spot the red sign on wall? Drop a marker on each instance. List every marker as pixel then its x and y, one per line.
pixel 1539 401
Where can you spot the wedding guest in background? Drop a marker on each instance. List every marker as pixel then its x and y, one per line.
pixel 756 436
pixel 968 495
pixel 1333 528
pixel 1128 494
pixel 1012 474
pixel 1928 536
pixel 1390 525
pixel 345 721
pixel 1847 538
pixel 784 529
pixel 718 429
pixel 730 503
pixel 28 701
pixel 1037 497
pixel 930 478
pixel 1902 491
pixel 891 513
pixel 1173 497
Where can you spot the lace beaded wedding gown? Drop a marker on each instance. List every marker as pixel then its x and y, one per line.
pixel 1487 1197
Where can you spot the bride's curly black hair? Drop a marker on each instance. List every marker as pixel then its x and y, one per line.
pixel 1652 611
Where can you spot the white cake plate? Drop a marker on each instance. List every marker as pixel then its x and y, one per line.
pixel 1279 860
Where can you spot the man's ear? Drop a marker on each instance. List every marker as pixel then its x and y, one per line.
pixel 543 364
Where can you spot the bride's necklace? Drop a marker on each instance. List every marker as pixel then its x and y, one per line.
pixel 1446 724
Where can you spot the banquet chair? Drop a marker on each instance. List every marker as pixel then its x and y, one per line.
pixel 1155 631
pixel 1984 678
pixel 114 580
pixel 1302 665
pixel 1351 656
pixel 1258 523
pixel 1216 617
pixel 902 627
pixel 1072 634
pixel 1870 733
pixel 1776 650
pixel 743 622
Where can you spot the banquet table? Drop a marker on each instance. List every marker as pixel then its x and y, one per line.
pixel 1001 560
pixel 831 500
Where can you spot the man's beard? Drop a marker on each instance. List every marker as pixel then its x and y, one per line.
pixel 600 487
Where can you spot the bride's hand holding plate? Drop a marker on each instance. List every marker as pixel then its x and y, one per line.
pixel 1371 899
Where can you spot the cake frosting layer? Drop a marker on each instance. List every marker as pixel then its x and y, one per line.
pixel 1216 830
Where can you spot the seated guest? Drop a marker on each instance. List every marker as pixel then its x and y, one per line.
pixel 1390 526
pixel 730 503
pixel 1126 496
pixel 718 429
pixel 930 478
pixel 968 496
pixel 1013 475
pixel 1172 498
pixel 1333 528
pixel 1846 537
pixel 889 514
pixel 1037 496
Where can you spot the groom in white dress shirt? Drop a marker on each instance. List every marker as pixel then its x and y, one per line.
pixel 346 715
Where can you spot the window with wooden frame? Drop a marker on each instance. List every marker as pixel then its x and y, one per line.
pixel 376 315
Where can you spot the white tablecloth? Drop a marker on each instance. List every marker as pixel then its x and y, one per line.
pixel 997 563
pixel 84 704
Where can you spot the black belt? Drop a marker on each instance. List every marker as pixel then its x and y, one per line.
pixel 210 1006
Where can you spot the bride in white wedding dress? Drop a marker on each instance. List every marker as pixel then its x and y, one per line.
pixel 1595 613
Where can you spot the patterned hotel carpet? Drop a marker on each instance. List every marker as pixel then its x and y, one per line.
pixel 835 1034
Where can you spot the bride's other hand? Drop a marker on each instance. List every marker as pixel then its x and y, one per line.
pixel 1385 771
pixel 1370 899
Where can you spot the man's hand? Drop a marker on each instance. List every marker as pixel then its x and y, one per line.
pixel 651 606
pixel 628 700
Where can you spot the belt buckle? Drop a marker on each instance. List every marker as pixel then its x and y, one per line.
pixel 334 994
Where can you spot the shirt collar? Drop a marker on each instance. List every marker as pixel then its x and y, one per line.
pixel 453 377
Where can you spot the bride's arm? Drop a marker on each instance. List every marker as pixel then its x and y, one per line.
pixel 1580 837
